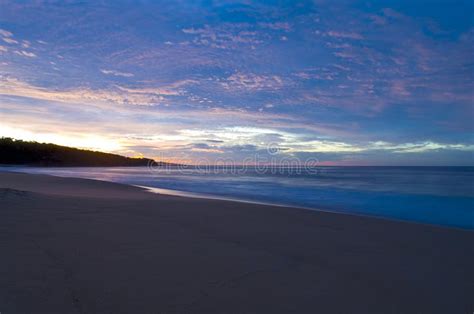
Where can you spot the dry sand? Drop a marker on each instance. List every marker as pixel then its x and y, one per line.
pixel 83 246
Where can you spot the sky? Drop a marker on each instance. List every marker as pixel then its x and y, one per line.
pixel 339 82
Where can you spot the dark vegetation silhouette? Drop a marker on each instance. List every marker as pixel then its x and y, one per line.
pixel 18 152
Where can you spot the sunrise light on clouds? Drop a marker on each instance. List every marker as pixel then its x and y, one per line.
pixel 381 83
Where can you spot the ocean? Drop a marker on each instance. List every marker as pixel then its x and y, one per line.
pixel 432 195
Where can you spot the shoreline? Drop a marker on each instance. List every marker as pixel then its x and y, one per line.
pixel 193 195
pixel 206 196
pixel 81 245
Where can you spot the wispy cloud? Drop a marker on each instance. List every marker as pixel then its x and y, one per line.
pixel 318 79
pixel 116 73
pixel 5 33
pixel 224 36
pixel 252 82
pixel 345 35
pixel 17 46
pixel 426 146
pixel 117 95
pixel 284 26
pixel 24 53
pixel 174 89
pixel 9 40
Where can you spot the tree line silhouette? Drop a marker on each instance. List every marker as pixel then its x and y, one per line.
pixel 18 152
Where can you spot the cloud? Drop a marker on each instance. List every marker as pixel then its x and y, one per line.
pixel 213 68
pixel 322 146
pixel 421 147
pixel 231 138
pixel 7 37
pixel 24 53
pixel 284 26
pixel 173 89
pixel 399 88
pixel 25 44
pixel 108 99
pixel 345 35
pixel 203 147
pixel 161 131
pixel 116 73
pixel 224 36
pixel 252 82
pixel 193 30
pixel 117 95
pixel 5 33
pixel 9 40
pixel 325 146
pixel 113 95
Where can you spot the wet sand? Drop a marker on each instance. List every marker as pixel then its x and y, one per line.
pixel 84 246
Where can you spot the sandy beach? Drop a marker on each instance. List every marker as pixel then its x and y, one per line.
pixel 83 246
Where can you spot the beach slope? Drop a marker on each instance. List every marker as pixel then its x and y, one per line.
pixel 84 246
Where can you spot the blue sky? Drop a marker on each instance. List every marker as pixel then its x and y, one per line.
pixel 346 82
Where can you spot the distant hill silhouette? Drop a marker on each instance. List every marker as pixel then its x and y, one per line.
pixel 18 152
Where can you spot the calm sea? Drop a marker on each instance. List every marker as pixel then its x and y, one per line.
pixel 433 195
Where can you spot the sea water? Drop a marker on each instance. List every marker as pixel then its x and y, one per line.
pixel 432 195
